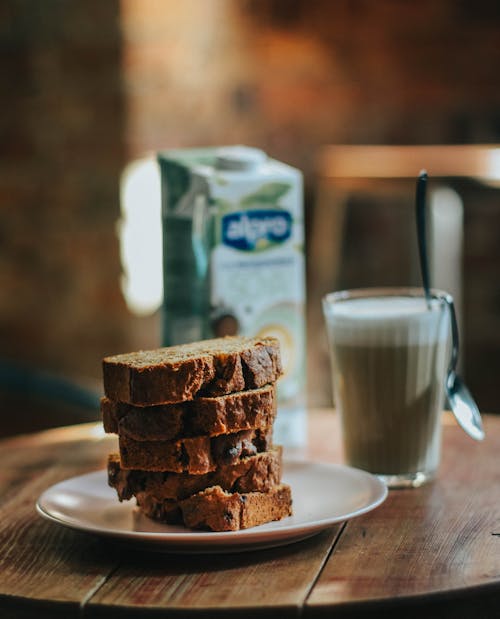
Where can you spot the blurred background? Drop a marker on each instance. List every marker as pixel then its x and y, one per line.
pixel 89 88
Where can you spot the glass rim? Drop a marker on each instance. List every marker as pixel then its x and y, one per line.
pixel 384 291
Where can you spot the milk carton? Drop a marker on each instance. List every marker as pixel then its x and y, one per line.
pixel 233 257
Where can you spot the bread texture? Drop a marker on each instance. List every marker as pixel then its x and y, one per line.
pixel 257 473
pixel 197 455
pixel 214 509
pixel 164 422
pixel 243 410
pixel 181 373
pixel 194 425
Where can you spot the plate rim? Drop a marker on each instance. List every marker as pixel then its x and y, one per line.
pixel 254 537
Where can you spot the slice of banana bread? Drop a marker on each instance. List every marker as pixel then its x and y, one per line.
pixel 257 473
pixel 243 410
pixel 179 373
pixel 196 455
pixel 165 421
pixel 214 509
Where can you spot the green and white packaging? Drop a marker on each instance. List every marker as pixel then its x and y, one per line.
pixel 233 260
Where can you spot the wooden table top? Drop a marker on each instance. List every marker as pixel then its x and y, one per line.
pixel 434 550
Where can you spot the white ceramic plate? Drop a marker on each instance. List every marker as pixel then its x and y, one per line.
pixel 323 494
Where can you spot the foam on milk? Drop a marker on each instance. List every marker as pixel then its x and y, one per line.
pixel 390 320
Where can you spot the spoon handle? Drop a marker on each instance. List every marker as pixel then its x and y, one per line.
pixel 421 233
pixel 454 333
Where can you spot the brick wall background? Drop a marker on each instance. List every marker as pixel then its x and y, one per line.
pixel 90 86
pixel 62 127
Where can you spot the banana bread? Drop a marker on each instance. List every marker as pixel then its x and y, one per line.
pixel 180 373
pixel 214 509
pixel 196 455
pixel 257 473
pixel 243 410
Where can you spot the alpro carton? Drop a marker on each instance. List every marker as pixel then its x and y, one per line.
pixel 233 259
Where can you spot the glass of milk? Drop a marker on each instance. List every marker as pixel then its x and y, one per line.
pixel 389 352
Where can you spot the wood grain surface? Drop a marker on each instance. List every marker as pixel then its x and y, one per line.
pixel 267 583
pixel 433 550
pixel 442 537
pixel 46 569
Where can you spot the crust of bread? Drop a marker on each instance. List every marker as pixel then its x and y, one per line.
pixel 181 373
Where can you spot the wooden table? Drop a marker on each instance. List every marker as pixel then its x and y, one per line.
pixel 433 551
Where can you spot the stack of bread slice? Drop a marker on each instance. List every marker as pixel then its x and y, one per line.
pixel 194 425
